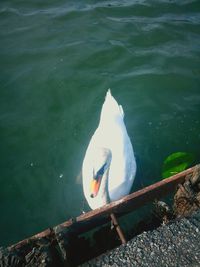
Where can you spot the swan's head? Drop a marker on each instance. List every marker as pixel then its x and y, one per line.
pixel 95 173
pixel 101 164
pixel 96 180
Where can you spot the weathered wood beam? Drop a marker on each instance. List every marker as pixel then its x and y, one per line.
pixel 126 204
pixel 136 199
pixel 48 233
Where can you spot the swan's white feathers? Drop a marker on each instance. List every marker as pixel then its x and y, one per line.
pixel 110 144
pixel 121 110
pixel 101 157
pixel 111 110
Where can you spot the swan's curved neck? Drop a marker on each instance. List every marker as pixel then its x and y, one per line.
pixel 103 190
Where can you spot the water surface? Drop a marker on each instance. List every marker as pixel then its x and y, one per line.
pixel 57 61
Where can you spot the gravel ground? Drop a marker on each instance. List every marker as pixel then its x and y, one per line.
pixel 176 244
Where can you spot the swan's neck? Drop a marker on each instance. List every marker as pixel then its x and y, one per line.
pixel 103 190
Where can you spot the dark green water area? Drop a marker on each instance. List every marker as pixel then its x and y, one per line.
pixel 57 60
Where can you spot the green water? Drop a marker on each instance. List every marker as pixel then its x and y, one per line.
pixel 57 60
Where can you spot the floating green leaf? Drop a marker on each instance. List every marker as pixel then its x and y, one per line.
pixel 176 162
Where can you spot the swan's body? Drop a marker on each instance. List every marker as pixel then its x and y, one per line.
pixel 109 158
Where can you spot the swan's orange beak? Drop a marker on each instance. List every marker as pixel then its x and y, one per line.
pixel 94 187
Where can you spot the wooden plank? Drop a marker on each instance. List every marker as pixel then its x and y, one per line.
pixel 44 234
pixel 131 202
pixel 136 199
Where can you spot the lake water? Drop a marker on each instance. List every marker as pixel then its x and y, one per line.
pixel 57 60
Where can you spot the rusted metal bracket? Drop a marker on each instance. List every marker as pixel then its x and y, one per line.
pixel 118 228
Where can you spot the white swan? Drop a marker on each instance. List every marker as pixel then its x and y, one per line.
pixel 109 165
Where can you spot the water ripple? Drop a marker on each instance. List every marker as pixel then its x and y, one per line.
pixel 71 6
pixel 191 18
